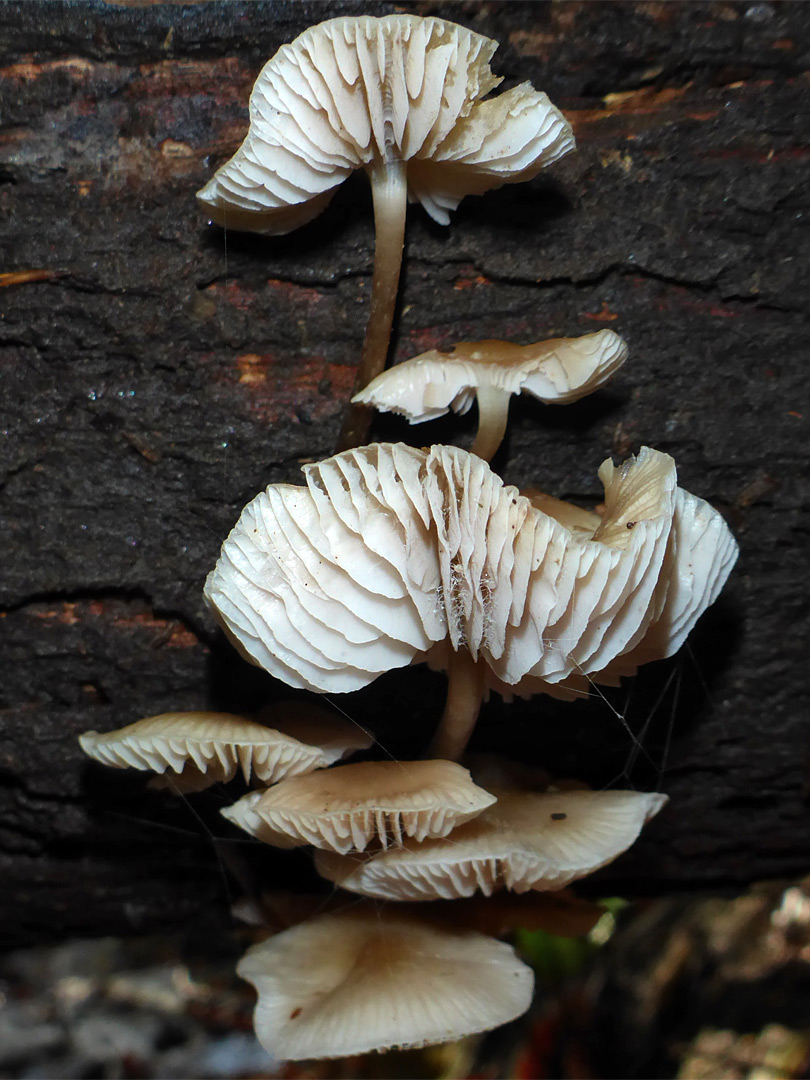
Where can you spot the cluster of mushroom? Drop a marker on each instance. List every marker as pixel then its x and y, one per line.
pixel 391 555
pixel 363 978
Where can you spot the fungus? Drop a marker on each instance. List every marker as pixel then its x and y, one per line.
pixel 401 549
pixel 352 982
pixel 204 748
pixel 400 98
pixel 524 841
pixel 346 808
pixel 558 371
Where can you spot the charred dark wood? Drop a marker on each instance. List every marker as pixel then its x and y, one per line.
pixel 155 374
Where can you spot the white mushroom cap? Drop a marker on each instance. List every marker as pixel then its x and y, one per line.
pixel 559 912
pixel 558 371
pixel 357 91
pixel 390 549
pixel 522 842
pixel 349 983
pixel 205 748
pixel 348 807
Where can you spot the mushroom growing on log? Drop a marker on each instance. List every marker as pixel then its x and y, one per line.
pixel 559 372
pixel 399 97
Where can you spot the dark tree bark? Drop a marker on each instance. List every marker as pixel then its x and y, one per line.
pixel 156 374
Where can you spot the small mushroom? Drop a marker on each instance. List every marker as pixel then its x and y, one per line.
pixel 351 982
pixel 558 371
pixel 204 748
pixel 524 841
pixel 399 97
pixel 348 807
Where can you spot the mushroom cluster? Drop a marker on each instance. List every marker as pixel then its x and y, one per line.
pixel 390 555
pixel 402 98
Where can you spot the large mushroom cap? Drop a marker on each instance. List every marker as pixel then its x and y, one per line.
pixel 358 90
pixel 205 748
pixel 346 808
pixel 522 842
pixel 389 550
pixel 558 371
pixel 349 983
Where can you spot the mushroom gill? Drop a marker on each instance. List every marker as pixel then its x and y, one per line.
pixel 204 748
pixel 558 371
pixel 392 555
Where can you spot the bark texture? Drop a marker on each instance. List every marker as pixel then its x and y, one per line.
pixel 155 374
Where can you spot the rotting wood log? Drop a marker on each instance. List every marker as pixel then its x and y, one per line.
pixel 155 374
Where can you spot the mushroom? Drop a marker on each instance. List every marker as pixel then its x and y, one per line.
pixel 352 982
pixel 558 371
pixel 524 841
pixel 346 808
pixel 390 550
pixel 204 748
pixel 399 97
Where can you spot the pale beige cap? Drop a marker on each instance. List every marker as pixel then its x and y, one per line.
pixel 349 983
pixel 348 807
pixel 557 371
pixel 401 549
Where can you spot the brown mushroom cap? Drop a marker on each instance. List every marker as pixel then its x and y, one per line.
pixel 349 983
pixel 522 842
pixel 204 748
pixel 346 808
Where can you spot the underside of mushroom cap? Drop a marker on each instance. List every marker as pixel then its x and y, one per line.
pixel 401 548
pixel 359 90
pixel 522 842
pixel 205 748
pixel 350 806
pixel 350 983
pixel 701 553
pixel 557 371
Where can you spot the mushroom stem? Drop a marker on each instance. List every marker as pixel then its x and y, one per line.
pixel 493 410
pixel 465 689
pixel 389 190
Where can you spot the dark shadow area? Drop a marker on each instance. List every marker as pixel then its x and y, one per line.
pixel 515 209
pixel 351 203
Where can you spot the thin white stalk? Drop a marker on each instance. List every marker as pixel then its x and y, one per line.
pixel 465 689
pixel 493 410
pixel 389 190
